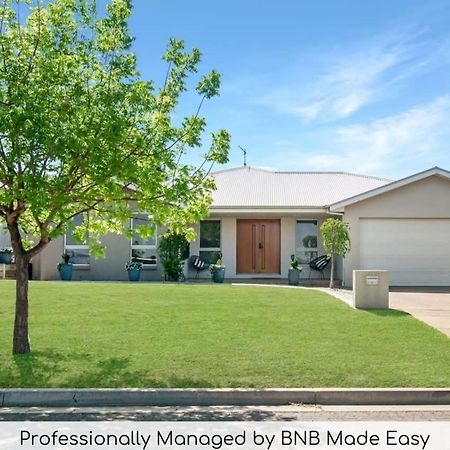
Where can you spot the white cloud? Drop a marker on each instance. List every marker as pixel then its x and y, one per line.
pixel 346 105
pixel 282 143
pixel 356 78
pixel 308 112
pixel 348 87
pixel 422 132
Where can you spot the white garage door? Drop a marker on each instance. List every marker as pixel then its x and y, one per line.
pixel 415 251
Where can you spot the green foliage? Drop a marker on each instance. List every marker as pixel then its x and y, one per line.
pixel 133 265
pixel 65 257
pixel 336 241
pixel 295 264
pixel 82 131
pixel 336 238
pixel 173 251
pixel 65 260
pixel 218 265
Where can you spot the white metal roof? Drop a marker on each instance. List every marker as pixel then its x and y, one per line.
pixel 249 187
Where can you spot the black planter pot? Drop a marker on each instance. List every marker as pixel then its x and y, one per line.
pixel 293 277
pixel 65 271
pixel 218 275
pixel 134 274
pixel 5 257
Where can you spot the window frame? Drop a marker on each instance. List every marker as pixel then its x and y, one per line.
pixel 141 246
pixel 209 249
pixel 77 247
pixel 312 249
pixel 5 234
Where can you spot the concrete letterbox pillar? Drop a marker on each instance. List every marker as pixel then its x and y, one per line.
pixel 371 289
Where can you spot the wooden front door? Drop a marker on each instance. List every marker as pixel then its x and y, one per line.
pixel 258 246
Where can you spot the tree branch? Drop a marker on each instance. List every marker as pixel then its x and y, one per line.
pixel 38 39
pixel 37 248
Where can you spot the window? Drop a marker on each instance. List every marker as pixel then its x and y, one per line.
pixel 79 252
pixel 143 249
pixel 210 245
pixel 306 241
pixel 5 241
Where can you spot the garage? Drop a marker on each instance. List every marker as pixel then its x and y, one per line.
pixel 415 251
pixel 403 227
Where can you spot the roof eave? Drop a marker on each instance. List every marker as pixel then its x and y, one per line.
pixel 217 209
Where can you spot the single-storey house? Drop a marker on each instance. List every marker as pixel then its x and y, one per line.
pixel 259 217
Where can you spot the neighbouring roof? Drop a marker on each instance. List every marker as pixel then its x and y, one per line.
pixel 339 205
pixel 247 187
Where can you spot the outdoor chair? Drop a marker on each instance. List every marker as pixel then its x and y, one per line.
pixel 319 264
pixel 198 264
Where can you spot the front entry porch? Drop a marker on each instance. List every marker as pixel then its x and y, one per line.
pixel 259 246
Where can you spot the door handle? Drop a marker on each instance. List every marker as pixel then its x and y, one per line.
pixel 260 245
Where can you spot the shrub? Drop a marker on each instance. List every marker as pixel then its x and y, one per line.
pixel 173 251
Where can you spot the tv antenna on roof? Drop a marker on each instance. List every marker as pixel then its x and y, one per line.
pixel 245 155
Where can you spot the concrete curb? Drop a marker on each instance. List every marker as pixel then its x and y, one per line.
pixel 220 397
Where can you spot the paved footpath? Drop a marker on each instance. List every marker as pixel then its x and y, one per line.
pixel 232 413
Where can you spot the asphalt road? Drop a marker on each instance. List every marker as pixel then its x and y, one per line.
pixel 256 413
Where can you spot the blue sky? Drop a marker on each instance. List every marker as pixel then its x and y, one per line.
pixel 361 86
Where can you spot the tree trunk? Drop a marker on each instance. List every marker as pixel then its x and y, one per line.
pixel 332 273
pixel 21 342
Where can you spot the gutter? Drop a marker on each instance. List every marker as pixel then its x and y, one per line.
pixel 223 397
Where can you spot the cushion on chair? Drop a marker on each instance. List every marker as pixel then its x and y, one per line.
pixel 197 263
pixel 319 263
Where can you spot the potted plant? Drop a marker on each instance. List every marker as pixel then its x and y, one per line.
pixel 294 271
pixel 134 270
pixel 65 268
pixel 217 270
pixel 5 256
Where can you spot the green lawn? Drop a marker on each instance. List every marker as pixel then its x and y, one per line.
pixel 153 335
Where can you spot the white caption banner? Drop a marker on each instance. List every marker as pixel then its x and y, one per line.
pixel 224 435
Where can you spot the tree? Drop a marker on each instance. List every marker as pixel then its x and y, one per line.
pixel 82 133
pixel 336 241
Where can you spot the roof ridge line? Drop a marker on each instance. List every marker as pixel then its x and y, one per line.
pixel 334 172
pixel 303 172
pixel 231 169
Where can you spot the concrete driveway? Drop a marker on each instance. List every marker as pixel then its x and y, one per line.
pixel 431 306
